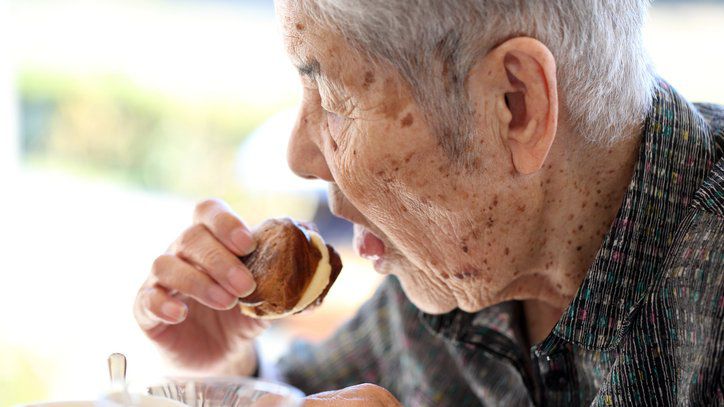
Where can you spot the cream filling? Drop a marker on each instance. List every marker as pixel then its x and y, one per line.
pixel 319 282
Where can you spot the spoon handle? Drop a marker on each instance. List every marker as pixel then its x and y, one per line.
pixel 117 369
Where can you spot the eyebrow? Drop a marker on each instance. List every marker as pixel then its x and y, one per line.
pixel 310 69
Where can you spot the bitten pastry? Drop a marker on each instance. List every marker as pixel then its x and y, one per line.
pixel 293 269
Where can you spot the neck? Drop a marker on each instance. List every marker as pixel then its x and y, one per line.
pixel 540 318
pixel 581 192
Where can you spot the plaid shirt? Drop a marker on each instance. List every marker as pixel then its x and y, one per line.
pixel 645 327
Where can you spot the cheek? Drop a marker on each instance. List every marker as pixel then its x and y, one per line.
pixel 376 168
pixel 362 173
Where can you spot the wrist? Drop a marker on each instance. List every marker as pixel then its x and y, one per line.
pixel 244 362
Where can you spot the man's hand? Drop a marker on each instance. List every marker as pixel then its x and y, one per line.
pixel 359 395
pixel 187 306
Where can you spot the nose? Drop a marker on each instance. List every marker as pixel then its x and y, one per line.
pixel 304 155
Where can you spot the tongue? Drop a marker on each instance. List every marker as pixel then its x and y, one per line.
pixel 370 246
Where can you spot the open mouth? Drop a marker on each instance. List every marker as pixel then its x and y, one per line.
pixel 367 245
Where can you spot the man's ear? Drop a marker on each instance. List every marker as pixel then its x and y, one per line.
pixel 526 99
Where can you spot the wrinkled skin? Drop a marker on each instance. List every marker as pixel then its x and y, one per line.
pixel 456 236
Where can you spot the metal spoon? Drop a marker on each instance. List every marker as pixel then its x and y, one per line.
pixel 117 372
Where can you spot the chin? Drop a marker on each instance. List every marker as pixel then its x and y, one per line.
pixel 428 300
pixel 416 286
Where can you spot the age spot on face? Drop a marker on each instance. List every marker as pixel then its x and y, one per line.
pixel 407 121
pixel 392 107
pixel 369 79
pixel 300 26
pixel 470 271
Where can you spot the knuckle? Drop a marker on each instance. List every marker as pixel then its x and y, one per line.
pixel 185 283
pixel 212 257
pixel 169 275
pixel 149 300
pixel 160 263
pixel 191 237
pixel 204 206
pixel 141 300
pixel 223 220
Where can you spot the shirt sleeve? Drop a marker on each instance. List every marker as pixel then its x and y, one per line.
pixel 351 355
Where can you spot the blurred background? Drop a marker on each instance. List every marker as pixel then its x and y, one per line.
pixel 117 116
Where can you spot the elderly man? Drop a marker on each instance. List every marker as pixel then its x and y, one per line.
pixel 550 213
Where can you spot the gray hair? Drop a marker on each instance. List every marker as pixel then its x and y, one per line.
pixel 604 75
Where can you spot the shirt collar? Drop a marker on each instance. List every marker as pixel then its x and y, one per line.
pixel 458 325
pixel 676 153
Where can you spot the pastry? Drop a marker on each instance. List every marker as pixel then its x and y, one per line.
pixel 293 268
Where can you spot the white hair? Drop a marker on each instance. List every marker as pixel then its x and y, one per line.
pixel 604 75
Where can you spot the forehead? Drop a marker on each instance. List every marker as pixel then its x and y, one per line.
pixel 302 35
pixel 318 50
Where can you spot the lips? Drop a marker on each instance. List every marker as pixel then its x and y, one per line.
pixel 367 244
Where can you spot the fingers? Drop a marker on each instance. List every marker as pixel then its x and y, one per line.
pixel 365 394
pixel 225 226
pixel 197 246
pixel 174 274
pixel 155 305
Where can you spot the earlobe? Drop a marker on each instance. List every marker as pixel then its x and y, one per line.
pixel 530 102
pixel 527 157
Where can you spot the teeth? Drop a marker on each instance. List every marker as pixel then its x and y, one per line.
pixel 314 289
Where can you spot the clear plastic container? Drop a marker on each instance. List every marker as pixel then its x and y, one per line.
pixel 227 392
pixel 196 392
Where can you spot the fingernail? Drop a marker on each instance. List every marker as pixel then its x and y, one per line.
pixel 173 311
pixel 220 297
pixel 243 241
pixel 242 282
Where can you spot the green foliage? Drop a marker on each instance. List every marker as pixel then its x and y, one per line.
pixel 109 127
